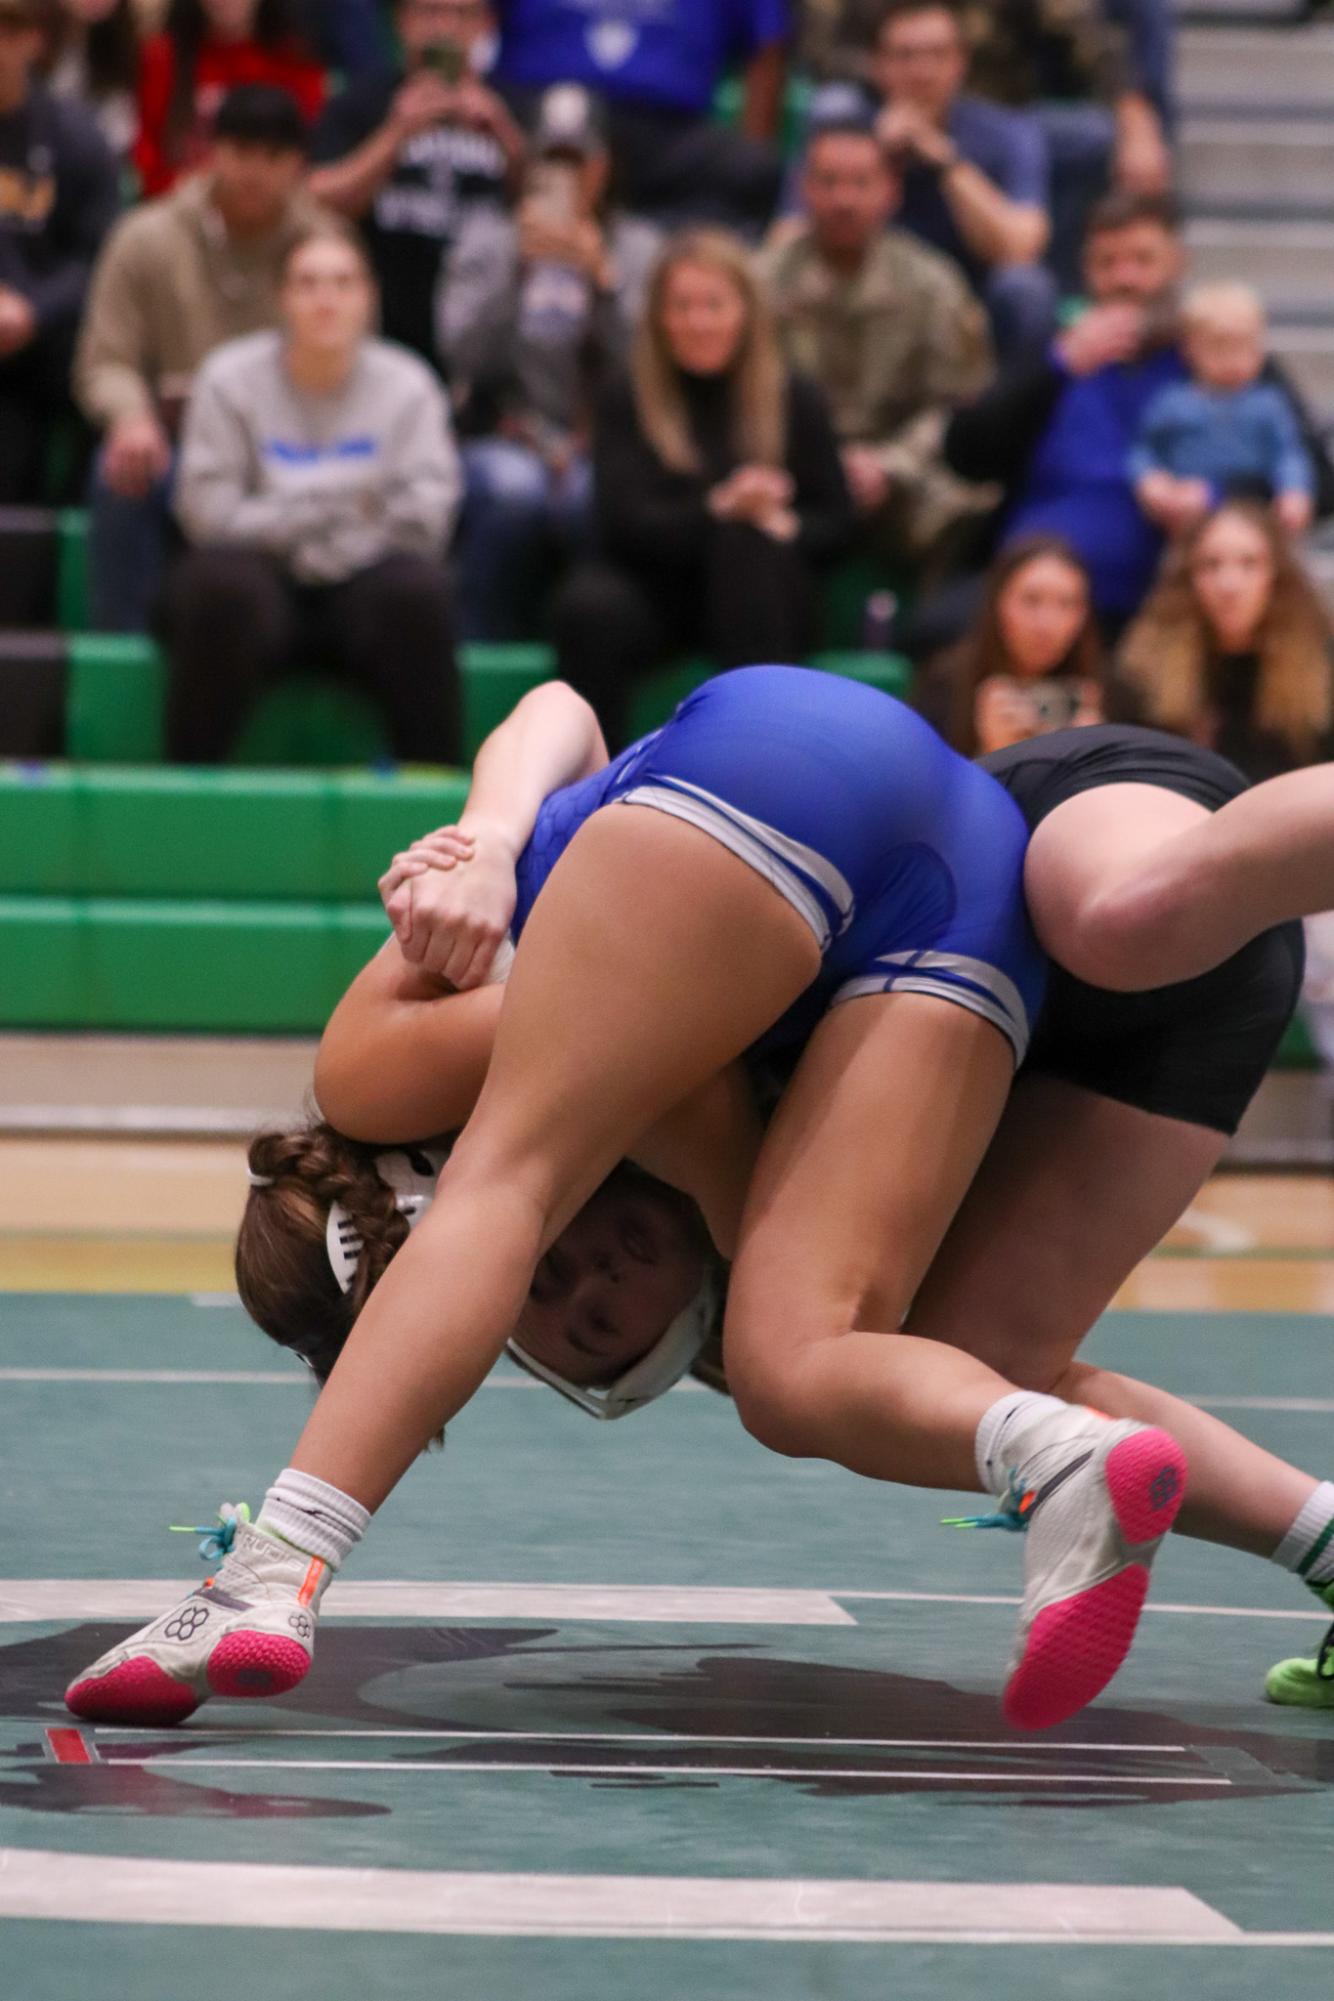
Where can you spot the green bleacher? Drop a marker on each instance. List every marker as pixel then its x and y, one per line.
pixel 139 895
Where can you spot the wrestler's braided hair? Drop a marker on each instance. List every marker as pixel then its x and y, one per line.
pixel 283 1272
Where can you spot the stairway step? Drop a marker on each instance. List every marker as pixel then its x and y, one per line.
pixel 1249 68
pixel 1247 13
pixel 1308 354
pixel 1290 263
pixel 1264 167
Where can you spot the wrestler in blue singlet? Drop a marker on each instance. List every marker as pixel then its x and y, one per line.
pixel 905 860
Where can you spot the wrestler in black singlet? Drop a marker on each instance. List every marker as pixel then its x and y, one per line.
pixel 1196 1051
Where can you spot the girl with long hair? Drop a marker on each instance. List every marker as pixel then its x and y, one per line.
pixel 1032 661
pixel 1232 648
pixel 206 48
pixel 92 53
pixel 719 488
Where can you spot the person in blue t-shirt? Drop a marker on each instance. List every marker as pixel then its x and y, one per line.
pixel 657 64
pixel 974 174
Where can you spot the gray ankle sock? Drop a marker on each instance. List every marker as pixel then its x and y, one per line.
pixel 313 1516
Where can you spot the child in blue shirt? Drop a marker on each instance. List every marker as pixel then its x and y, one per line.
pixel 1227 430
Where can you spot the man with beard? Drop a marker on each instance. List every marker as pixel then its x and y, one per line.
pixel 1057 430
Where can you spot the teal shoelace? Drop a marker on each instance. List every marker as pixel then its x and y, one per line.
pixel 1012 1513
pixel 215 1543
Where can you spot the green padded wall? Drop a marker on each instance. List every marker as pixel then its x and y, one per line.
pixel 114 703
pixel 307 721
pixel 164 832
pixel 218 967
pixel 494 678
pixel 117 682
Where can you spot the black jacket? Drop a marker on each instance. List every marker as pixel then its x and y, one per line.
pixel 59 195
pixel 652 517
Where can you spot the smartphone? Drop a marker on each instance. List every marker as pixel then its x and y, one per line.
pixel 552 188
pixel 1055 702
pixel 448 59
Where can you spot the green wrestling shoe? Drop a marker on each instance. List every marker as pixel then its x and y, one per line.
pixel 1308 1681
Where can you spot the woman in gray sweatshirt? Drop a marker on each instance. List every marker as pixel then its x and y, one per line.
pixel 318 485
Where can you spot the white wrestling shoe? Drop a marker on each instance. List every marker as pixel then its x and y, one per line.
pixel 248 1631
pixel 1096 1497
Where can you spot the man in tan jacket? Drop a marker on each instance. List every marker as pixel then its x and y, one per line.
pixel 178 276
pixel 892 333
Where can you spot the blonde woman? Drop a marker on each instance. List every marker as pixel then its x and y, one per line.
pixel 1232 648
pixel 719 489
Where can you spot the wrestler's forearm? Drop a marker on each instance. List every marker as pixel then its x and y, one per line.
pixel 551 739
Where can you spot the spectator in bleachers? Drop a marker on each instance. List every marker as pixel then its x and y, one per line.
pixel 657 69
pixel 1057 430
pixel 1232 648
pixel 92 54
pixel 535 317
pixel 720 491
pixel 206 49
pixel 1149 27
pixel 349 35
pixel 975 181
pixel 410 153
pixel 891 333
pixel 318 485
pixel 837 41
pixel 1031 662
pixel 58 197
pixel 1070 64
pixel 1225 431
pixel 201 265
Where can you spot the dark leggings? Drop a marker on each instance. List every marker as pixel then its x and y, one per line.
pixel 750 602
pixel 34 397
pixel 235 622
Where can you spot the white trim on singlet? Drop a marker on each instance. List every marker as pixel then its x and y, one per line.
pixel 989 995
pixel 773 855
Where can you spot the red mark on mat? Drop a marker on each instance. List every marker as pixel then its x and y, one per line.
pixel 69 1747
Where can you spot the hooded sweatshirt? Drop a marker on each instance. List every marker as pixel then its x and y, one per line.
pixel 170 286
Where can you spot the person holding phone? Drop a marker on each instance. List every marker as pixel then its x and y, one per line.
pixel 409 153
pixel 1031 662
pixel 537 315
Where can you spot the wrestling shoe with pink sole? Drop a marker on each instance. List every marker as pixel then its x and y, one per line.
pixel 1095 1498
pixel 249 1631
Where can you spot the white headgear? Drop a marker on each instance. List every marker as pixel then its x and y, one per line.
pixel 412 1173
pixel 648 1378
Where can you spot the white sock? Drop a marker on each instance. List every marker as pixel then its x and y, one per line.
pixel 1308 1547
pixel 1002 1424
pixel 314 1517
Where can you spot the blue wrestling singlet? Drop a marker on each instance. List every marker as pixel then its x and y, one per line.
pixel 905 860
